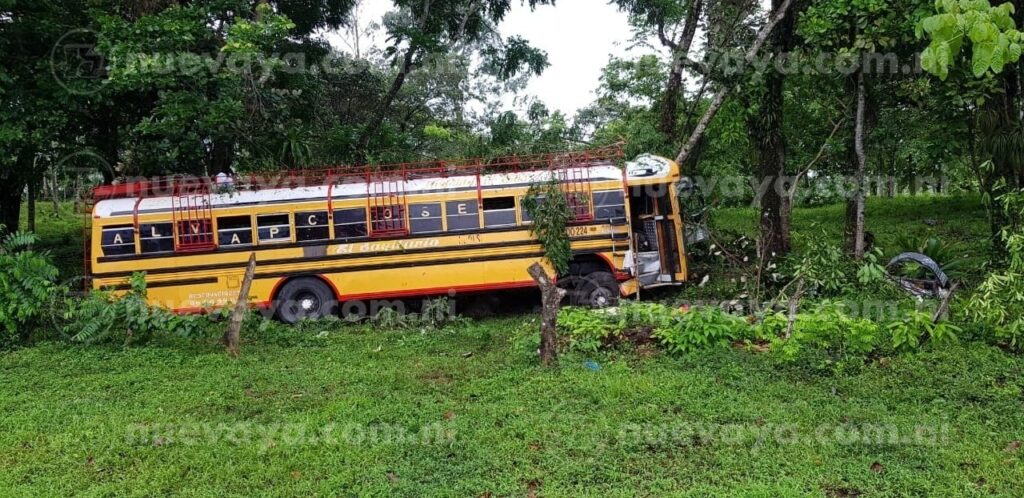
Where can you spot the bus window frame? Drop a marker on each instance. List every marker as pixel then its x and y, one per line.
pixel 291 229
pixel 253 232
pixel 334 223
pixel 514 209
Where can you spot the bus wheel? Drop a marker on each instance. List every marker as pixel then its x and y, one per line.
pixel 597 289
pixel 305 298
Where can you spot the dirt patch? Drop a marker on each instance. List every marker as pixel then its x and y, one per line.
pixel 436 376
pixel 640 336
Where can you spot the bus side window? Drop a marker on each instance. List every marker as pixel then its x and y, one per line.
pixel 462 215
pixel 425 218
pixel 273 228
pixel 350 223
pixel 118 240
pixel 609 204
pixel 499 212
pixel 312 226
pixel 234 231
pixel 522 207
pixel 156 237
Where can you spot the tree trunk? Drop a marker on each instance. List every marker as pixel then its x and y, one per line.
pixel 680 52
pixel 385 105
pixel 858 147
pixel 32 187
pixel 719 98
pixel 54 191
pixel 232 337
pixel 13 189
pixel 551 297
pixel 768 130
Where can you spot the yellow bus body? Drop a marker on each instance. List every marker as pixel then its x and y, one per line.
pixel 415 264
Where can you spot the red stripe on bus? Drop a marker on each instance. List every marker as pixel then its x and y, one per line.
pixel 444 290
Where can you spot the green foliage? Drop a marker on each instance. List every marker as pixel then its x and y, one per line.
pixel 587 330
pixel 27 282
pixel 991 31
pixel 917 328
pixel 821 263
pixel 434 314
pixel 871 270
pixel 106 317
pixel 549 209
pixel 997 304
pixel 827 332
pixel 701 329
pixel 948 255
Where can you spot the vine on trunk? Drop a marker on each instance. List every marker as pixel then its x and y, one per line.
pixel 547 206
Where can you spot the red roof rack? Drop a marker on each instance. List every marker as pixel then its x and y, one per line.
pixel 171 185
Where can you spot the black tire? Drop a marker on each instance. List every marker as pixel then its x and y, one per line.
pixel 305 298
pixel 597 289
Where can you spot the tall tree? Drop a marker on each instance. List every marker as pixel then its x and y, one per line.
pixel 674 24
pixel 995 44
pixel 767 128
pixel 421 29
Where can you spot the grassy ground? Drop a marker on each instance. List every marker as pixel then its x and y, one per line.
pixel 956 219
pixel 185 419
pixel 465 411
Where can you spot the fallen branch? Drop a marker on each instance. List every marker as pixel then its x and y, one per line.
pixel 943 308
pixel 794 306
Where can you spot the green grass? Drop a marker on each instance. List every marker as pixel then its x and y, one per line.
pixel 70 416
pixel 956 219
pixel 60 233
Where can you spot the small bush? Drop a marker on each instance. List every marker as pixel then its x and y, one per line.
pixel 105 317
pixel 826 333
pixel 588 330
pixel 27 283
pixel 701 328
pixel 917 328
pixel 823 266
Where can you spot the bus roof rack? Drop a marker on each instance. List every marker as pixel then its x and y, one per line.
pixel 172 185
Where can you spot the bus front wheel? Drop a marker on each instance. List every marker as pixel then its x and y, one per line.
pixel 305 298
pixel 597 289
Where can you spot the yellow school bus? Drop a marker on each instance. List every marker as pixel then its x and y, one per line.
pixel 332 236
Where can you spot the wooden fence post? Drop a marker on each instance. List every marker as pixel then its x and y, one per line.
pixel 232 335
pixel 551 296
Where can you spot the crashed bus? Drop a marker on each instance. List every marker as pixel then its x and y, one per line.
pixel 324 237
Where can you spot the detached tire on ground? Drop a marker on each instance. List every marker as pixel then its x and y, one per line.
pixel 597 289
pixel 304 298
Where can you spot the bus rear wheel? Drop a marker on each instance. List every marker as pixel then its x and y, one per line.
pixel 305 298
pixel 597 289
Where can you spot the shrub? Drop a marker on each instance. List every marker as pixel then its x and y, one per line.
pixel 998 303
pixel 588 330
pixel 917 328
pixel 27 282
pixel 827 330
pixel 701 328
pixel 948 256
pixel 103 316
pixel 823 266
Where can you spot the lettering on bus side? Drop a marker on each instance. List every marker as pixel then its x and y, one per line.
pixel 425 217
pixel 386 246
pixel 311 226
pixel 118 240
pixel 156 237
pixel 273 228
pixel 462 215
pixel 234 231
